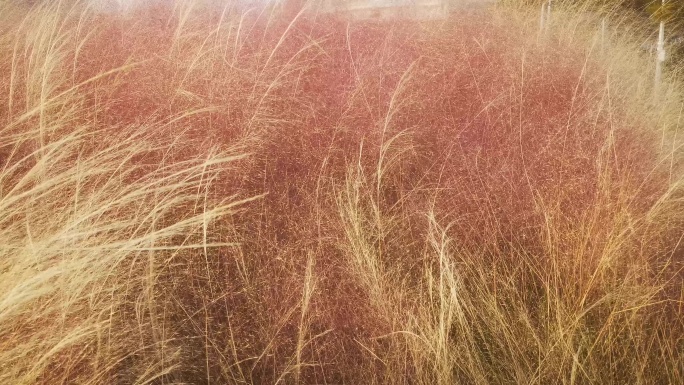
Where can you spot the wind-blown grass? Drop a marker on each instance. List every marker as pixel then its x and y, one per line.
pixel 217 195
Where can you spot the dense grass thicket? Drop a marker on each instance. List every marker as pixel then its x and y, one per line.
pixel 196 195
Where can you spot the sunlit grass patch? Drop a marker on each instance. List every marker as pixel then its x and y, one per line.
pixel 213 195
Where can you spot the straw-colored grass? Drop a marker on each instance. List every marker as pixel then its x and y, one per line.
pixel 193 194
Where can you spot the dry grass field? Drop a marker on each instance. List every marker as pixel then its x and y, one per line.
pixel 193 194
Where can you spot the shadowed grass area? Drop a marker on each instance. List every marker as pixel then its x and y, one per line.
pixel 193 194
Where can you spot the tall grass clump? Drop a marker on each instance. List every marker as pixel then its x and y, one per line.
pixel 192 193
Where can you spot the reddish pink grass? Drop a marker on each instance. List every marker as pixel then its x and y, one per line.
pixel 496 135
